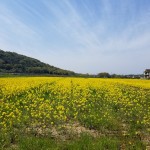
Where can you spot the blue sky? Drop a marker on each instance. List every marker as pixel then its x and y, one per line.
pixel 85 36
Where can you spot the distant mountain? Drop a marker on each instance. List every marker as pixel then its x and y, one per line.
pixel 11 62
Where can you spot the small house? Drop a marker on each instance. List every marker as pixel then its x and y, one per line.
pixel 147 74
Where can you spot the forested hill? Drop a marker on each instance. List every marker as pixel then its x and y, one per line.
pixel 11 62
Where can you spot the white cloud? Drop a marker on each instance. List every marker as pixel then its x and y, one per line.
pixel 68 40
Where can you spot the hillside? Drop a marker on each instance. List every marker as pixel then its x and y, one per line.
pixel 11 62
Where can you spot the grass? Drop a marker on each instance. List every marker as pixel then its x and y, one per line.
pixel 84 142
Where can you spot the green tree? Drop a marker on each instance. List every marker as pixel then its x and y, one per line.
pixel 104 75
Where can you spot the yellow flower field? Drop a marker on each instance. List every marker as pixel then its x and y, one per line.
pixel 99 104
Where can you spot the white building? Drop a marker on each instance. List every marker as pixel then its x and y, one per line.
pixel 147 74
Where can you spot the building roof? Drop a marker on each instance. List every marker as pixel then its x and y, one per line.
pixel 147 70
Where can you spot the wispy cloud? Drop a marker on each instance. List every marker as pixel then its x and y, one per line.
pixel 79 36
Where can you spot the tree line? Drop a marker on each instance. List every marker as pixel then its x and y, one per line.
pixel 11 62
